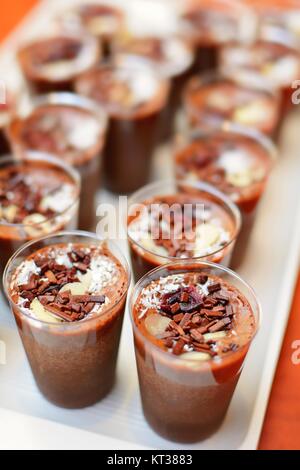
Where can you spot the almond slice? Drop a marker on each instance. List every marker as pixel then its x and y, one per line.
pixel 214 336
pixel 156 324
pixel 10 212
pixel 76 288
pixel 41 314
pixel 86 279
pixel 219 100
pixel 252 113
pixel 240 180
pixel 207 235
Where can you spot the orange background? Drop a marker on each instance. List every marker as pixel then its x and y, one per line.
pixel 282 424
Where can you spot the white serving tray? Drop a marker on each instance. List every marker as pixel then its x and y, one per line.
pixel 271 265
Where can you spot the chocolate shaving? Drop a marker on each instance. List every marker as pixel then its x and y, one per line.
pixel 219 325
pixel 214 287
pixel 178 348
pixel 196 335
pixel 82 299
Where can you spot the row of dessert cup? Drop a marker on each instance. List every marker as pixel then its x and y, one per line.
pixel 185 390
pixel 191 398
pixel 13 235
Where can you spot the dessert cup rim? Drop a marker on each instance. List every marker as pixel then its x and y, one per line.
pixel 118 112
pixel 181 265
pixel 230 128
pixel 77 233
pixel 63 98
pixel 71 100
pixel 43 157
pixel 173 71
pixel 206 78
pixel 233 209
pixel 90 47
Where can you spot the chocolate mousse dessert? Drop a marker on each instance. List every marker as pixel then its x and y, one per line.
pixel 38 196
pixel 172 56
pixel 275 60
pixel 193 324
pixel 74 129
pixel 68 295
pixel 53 63
pixel 211 100
pixel 237 162
pixel 168 222
pixel 133 97
pixel 209 24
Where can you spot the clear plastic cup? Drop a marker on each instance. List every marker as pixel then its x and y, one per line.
pixel 133 128
pixel 251 105
pixel 144 259
pixel 210 24
pixel 73 363
pixel 185 400
pixel 273 57
pixel 86 159
pixel 53 62
pixel 13 236
pixel 231 138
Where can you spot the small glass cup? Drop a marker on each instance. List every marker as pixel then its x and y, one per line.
pixel 87 161
pixel 144 260
pixel 133 130
pixel 247 197
pixel 73 363
pixel 254 61
pixel 52 63
pixel 182 400
pixel 250 105
pixel 172 56
pixel 13 236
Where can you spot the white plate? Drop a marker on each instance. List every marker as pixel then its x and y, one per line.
pixel 271 265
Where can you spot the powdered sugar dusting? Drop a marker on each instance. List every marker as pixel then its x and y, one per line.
pixel 26 270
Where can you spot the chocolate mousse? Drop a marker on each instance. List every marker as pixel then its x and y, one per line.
pixel 74 129
pixel 68 299
pixel 275 60
pixel 38 196
pixel 281 14
pixel 172 56
pixel 213 99
pixel 187 222
pixel 53 63
pixel 133 97
pixel 209 24
pixel 238 163
pixel 193 325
